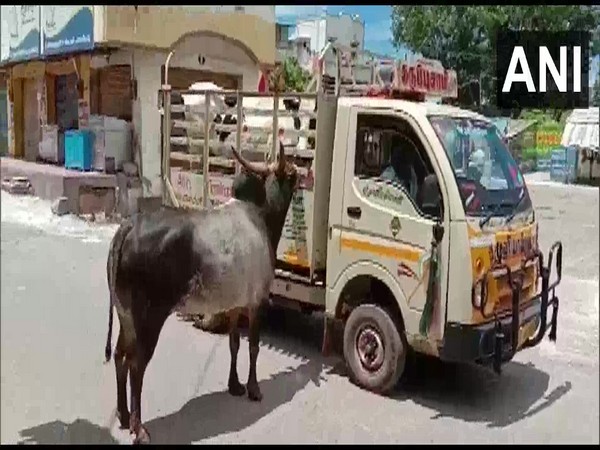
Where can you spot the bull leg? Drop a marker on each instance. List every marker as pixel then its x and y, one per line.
pixel 253 340
pixel 138 368
pixel 146 344
pixel 235 387
pixel 122 371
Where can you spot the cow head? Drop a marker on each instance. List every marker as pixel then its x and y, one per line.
pixel 269 186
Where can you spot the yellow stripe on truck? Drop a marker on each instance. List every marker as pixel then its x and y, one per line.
pixel 404 253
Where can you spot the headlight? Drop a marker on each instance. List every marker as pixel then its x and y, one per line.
pixel 478 294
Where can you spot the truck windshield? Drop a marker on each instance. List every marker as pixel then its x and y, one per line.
pixel 488 177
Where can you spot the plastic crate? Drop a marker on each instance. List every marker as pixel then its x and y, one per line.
pixel 79 149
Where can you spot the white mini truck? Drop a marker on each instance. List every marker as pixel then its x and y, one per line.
pixel 413 226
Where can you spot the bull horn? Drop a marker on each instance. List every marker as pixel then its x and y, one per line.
pixel 253 167
pixel 281 162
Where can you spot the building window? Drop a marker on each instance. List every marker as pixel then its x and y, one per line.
pixel 282 35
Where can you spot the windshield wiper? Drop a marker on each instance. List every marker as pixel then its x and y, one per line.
pixel 493 212
pixel 516 206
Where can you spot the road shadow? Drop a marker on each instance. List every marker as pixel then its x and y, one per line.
pixel 203 417
pixel 465 392
pixel 470 393
pixel 81 431
pixel 213 413
pixel 218 413
pixel 473 393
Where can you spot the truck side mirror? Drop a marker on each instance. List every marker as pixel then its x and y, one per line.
pixel 430 199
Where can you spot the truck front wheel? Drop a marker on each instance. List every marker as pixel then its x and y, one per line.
pixel 374 349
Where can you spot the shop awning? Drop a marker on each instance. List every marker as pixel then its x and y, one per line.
pixel 582 129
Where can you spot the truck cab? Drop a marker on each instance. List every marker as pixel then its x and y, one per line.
pixel 412 225
pixel 400 171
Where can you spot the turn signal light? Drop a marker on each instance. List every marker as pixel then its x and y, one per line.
pixel 479 267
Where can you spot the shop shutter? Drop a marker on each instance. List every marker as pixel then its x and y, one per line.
pixel 115 91
pixel 67 114
pixel 94 91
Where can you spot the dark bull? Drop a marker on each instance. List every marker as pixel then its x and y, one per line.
pixel 199 262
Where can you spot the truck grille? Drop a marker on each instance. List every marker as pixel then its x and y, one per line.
pixel 503 291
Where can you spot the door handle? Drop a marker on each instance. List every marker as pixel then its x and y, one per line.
pixel 354 212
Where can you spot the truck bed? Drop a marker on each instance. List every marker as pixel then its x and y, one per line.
pixel 303 246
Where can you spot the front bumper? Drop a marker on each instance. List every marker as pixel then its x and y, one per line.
pixel 497 341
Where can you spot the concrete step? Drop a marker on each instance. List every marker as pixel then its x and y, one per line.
pixel 85 192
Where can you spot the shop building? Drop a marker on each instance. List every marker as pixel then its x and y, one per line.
pixel 72 67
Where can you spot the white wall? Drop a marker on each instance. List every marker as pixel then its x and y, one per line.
pixel 303 54
pixel 146 118
pixel 344 29
pixel 315 30
pixel 99 12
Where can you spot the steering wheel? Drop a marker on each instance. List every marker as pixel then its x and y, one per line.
pixel 472 192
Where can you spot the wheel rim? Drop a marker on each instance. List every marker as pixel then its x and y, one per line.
pixel 369 347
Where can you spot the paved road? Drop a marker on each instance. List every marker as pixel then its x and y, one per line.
pixel 56 389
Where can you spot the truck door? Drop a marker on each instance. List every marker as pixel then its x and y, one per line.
pixel 385 219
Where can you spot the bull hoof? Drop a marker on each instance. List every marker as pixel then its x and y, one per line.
pixel 237 389
pixel 123 420
pixel 142 437
pixel 254 393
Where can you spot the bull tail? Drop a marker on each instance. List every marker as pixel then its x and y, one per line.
pixel 112 266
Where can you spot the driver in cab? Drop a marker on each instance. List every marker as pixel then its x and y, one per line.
pixel 401 170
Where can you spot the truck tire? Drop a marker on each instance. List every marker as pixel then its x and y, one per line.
pixel 374 349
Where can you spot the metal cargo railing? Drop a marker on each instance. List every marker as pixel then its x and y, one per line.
pixel 256 136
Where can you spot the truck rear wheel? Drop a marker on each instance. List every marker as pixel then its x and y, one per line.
pixel 374 349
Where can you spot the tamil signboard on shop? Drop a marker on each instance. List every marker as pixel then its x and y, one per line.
pixel 20 32
pixel 67 28
pixel 30 31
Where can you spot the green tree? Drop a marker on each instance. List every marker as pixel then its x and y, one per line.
pixel 462 37
pixel 289 76
pixel 596 94
pixel 296 78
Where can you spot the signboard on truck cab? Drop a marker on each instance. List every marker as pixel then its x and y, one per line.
pixel 426 76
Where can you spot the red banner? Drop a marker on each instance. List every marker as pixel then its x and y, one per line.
pixel 426 77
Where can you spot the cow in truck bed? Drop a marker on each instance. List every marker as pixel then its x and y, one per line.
pixel 199 262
